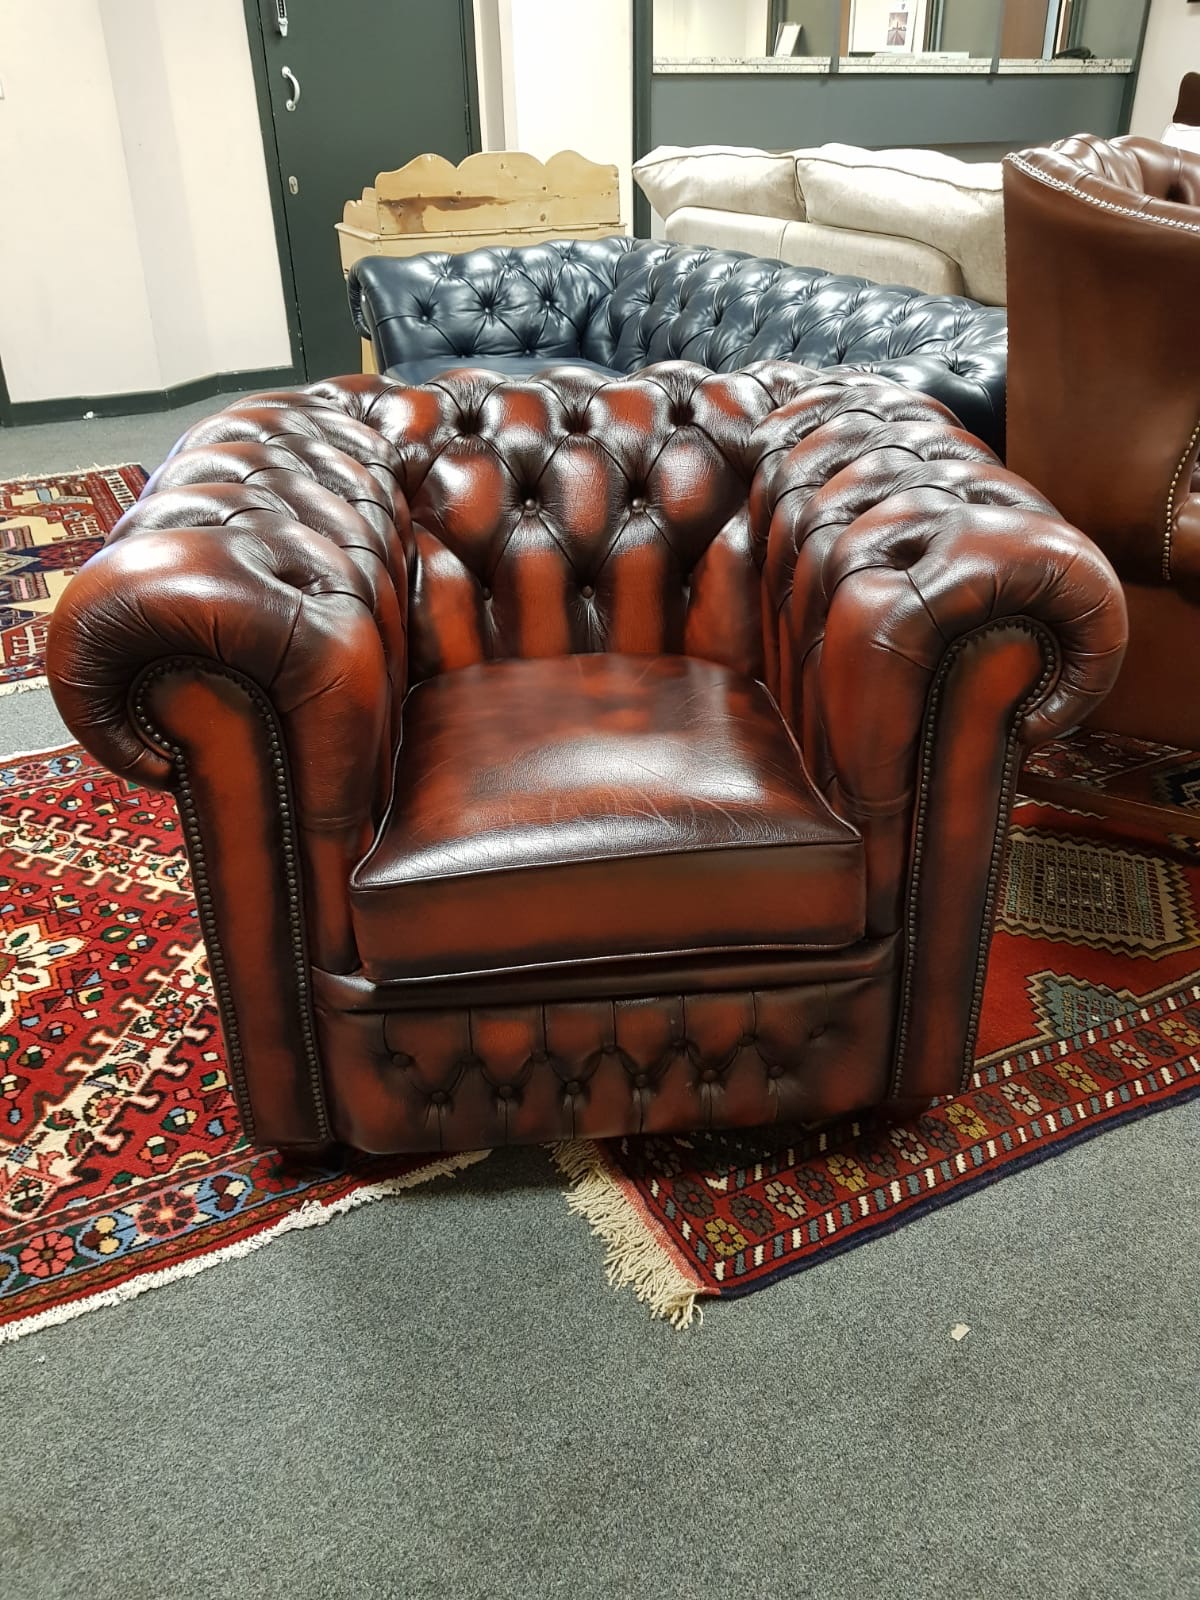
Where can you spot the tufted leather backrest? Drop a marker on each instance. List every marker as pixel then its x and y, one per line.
pixel 574 513
pixel 627 303
pixel 1104 311
pixel 566 514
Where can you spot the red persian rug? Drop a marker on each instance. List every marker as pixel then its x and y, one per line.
pixel 48 529
pixel 1091 1017
pixel 120 1163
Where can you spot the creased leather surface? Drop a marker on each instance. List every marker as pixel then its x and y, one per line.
pixel 628 303
pixel 663 796
pixel 308 558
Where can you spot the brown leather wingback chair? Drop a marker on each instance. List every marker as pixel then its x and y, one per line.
pixel 580 757
pixel 1103 242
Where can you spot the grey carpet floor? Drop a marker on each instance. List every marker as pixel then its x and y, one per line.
pixel 102 442
pixel 438 1395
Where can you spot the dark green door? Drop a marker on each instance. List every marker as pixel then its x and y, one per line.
pixel 372 83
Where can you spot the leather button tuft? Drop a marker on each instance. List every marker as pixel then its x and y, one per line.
pixel 506 1092
pixel 641 1080
pixel 709 1075
pixel 587 591
pixel 774 1070
pixel 439 1097
pixel 638 503
pixel 530 503
pixel 572 1086
pixel 486 592
pixel 746 1040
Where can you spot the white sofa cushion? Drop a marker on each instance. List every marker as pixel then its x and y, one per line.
pixel 876 256
pixel 1183 135
pixel 881 257
pixel 955 206
pixel 728 230
pixel 723 177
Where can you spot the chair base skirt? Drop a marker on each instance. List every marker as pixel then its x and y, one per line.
pixel 401 1079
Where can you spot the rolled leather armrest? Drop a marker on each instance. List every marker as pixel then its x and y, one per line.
pixel 241 640
pixel 929 617
pixel 969 381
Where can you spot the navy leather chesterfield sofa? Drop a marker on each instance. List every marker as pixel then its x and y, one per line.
pixel 620 304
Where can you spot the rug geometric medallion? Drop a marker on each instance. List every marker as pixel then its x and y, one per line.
pixel 121 1164
pixel 48 529
pixel 1091 1018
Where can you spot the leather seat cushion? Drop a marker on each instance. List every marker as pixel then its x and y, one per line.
pixel 428 368
pixel 591 807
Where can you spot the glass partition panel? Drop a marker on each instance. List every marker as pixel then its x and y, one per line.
pixel 888 27
pixel 747 30
pixel 818 21
pixel 966 27
pixel 1108 28
pixel 970 30
pixel 686 29
pixel 1030 29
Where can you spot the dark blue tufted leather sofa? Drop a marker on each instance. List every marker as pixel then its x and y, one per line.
pixel 620 304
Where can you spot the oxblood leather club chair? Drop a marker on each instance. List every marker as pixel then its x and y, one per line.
pixel 1104 390
pixel 583 757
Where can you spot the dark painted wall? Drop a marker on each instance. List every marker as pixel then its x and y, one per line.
pixel 783 111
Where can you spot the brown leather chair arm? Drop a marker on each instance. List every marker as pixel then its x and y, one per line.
pixel 929 618
pixel 241 640
pixel 1103 244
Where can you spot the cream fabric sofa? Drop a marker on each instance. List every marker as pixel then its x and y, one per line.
pixel 914 217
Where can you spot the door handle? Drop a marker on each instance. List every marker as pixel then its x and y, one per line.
pixel 294 82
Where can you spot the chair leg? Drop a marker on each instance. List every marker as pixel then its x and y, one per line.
pixel 303 1160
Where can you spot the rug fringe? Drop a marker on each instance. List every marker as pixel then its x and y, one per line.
pixel 311 1214
pixel 28 755
pixel 71 472
pixel 634 1255
pixel 23 685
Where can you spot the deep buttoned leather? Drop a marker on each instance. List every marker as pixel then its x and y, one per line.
pixel 312 567
pixel 598 807
pixel 627 303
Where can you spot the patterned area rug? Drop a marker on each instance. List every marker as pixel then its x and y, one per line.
pixel 1114 767
pixel 48 529
pixel 120 1164
pixel 1091 1017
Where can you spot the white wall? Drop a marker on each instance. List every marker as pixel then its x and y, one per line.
pixel 139 249
pixel 222 172
pixel 568 81
pixel 74 317
pixel 489 70
pixel 1172 48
